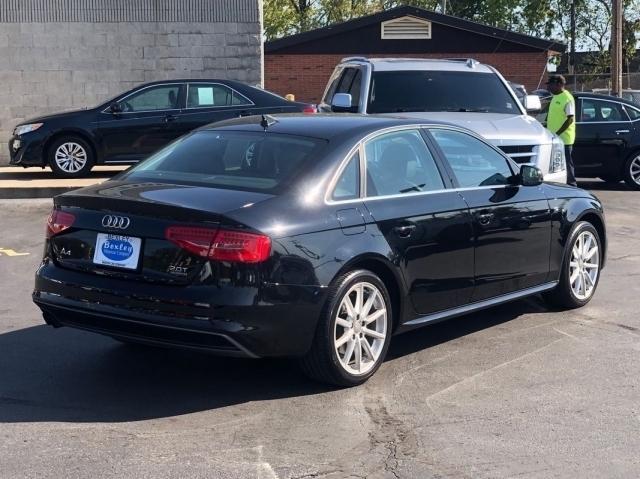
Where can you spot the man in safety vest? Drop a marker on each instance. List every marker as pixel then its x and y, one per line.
pixel 561 120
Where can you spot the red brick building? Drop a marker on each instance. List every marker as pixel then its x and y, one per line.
pixel 301 64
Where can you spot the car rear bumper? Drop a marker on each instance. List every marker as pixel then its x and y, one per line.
pixel 273 320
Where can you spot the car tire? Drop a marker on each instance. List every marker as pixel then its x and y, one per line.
pixel 631 172
pixel 580 268
pixel 70 157
pixel 339 355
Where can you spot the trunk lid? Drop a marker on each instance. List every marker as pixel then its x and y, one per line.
pixel 119 229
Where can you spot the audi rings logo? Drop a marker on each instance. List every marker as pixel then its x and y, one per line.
pixel 119 222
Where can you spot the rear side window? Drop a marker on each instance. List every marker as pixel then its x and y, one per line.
pixel 203 95
pixel 231 159
pixel 473 162
pixel 348 184
pixel 400 163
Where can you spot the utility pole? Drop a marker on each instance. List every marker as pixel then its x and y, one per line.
pixel 616 48
pixel 572 52
pixel 443 4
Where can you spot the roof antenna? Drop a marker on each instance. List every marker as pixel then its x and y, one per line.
pixel 267 121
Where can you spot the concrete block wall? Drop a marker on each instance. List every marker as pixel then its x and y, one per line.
pixel 306 75
pixel 52 66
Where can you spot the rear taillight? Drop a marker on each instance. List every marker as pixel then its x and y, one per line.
pixel 310 109
pixel 58 221
pixel 195 240
pixel 221 245
pixel 241 247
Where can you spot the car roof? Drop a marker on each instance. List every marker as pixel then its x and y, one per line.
pixel 324 126
pixel 423 64
pixel 597 96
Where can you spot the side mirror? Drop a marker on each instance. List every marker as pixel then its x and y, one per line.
pixel 115 107
pixel 532 103
pixel 531 175
pixel 341 103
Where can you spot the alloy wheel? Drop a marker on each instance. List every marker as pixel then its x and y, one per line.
pixel 70 157
pixel 634 170
pixel 584 265
pixel 361 328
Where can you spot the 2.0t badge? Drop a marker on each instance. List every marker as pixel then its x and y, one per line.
pixel 119 222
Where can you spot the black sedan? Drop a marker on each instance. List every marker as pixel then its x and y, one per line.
pixel 314 237
pixel 607 138
pixel 136 123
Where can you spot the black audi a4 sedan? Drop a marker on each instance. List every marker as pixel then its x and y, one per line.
pixel 316 237
pixel 607 142
pixel 136 123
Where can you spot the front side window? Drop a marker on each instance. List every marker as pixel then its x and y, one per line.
pixel 161 97
pixel 399 163
pixel 203 95
pixel 404 91
pixel 351 83
pixel 333 85
pixel 599 111
pixel 230 159
pixel 473 162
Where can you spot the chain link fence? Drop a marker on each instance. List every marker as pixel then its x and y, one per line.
pixel 590 82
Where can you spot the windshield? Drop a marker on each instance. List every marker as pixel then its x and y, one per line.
pixel 260 162
pixel 405 91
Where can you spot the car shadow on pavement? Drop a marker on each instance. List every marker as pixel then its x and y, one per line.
pixel 448 330
pixel 49 375
pixel 595 185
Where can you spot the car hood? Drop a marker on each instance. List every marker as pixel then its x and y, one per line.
pixel 52 116
pixel 499 128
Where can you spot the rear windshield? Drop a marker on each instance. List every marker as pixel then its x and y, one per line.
pixel 404 91
pixel 261 162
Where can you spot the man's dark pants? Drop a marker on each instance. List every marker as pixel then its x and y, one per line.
pixel 571 175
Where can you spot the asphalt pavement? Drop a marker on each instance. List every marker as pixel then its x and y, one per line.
pixel 17 182
pixel 514 391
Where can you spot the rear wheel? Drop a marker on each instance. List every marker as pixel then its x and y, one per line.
pixel 631 171
pixel 70 157
pixel 580 268
pixel 353 333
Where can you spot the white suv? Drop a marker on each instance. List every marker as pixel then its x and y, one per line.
pixel 461 91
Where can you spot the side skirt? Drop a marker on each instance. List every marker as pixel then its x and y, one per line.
pixel 469 308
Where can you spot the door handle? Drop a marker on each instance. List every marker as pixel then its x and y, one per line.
pixel 245 113
pixel 621 132
pixel 485 219
pixel 170 118
pixel 404 231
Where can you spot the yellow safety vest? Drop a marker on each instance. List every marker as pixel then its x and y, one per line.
pixel 557 116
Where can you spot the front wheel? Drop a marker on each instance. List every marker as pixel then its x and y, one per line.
pixel 631 171
pixel 70 157
pixel 580 268
pixel 353 333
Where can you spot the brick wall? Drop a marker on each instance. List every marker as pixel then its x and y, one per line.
pixel 50 66
pixel 306 75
